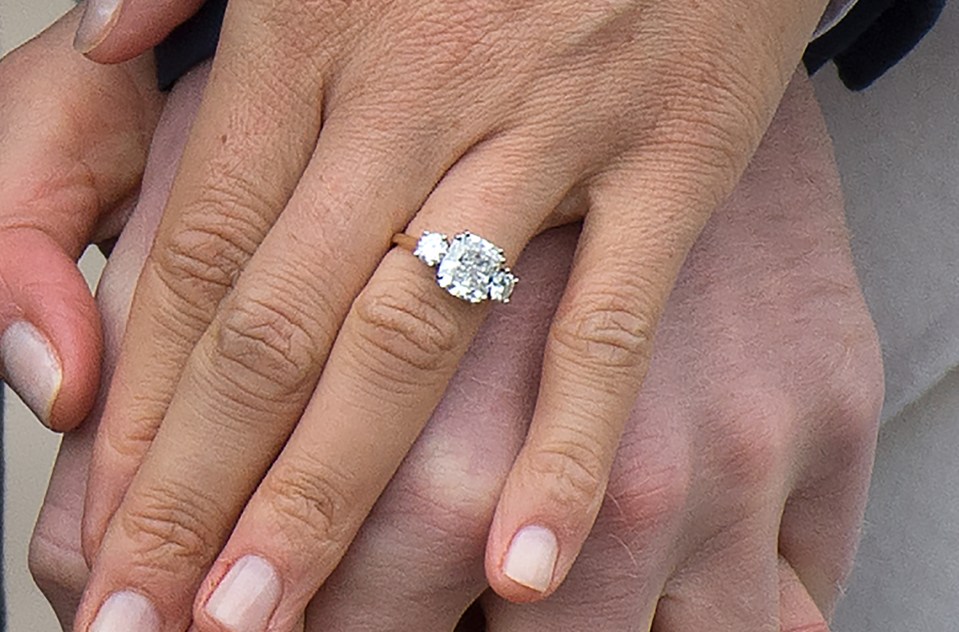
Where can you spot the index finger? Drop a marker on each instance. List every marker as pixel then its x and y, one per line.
pixel 220 208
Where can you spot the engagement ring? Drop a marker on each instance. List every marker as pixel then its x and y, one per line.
pixel 467 266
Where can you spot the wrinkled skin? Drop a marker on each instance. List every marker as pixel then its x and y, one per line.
pixel 74 138
pixel 274 330
pixel 753 436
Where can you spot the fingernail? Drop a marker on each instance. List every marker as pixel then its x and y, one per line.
pixel 98 20
pixel 246 597
pixel 126 612
pixel 531 558
pixel 31 368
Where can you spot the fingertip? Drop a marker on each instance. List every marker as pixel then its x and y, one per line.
pixel 547 508
pixel 241 595
pixel 98 21
pixel 527 566
pixel 51 341
pixel 32 368
pixel 531 558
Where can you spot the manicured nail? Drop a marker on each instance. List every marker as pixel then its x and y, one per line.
pixel 31 368
pixel 531 558
pixel 126 612
pixel 98 20
pixel 246 597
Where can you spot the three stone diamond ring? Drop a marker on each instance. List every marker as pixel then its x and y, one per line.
pixel 467 266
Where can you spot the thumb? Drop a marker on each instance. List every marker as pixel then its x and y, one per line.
pixel 118 30
pixel 73 140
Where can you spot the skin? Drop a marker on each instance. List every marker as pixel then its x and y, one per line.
pixel 61 191
pixel 785 436
pixel 271 310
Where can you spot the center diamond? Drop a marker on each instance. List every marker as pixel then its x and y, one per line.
pixel 469 266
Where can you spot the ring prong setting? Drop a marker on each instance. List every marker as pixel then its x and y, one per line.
pixel 467 266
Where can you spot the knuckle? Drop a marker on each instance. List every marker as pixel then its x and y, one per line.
pixel 750 443
pixel 858 391
pixel 243 201
pixel 650 498
pixel 452 503
pixel 174 528
pixel 402 333
pixel 847 370
pixel 310 503
pixel 606 330
pixel 574 471
pixel 198 263
pixel 263 348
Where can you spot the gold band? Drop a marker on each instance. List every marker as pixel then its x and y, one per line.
pixel 404 241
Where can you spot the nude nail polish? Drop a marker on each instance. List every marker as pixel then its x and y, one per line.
pixel 125 612
pixel 247 596
pixel 98 20
pixel 531 558
pixel 31 368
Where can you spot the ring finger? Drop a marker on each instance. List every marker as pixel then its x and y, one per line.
pixel 397 350
pixel 418 559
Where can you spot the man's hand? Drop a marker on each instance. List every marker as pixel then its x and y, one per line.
pixel 74 137
pixel 767 371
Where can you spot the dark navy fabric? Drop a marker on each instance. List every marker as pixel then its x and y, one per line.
pixel 191 43
pixel 871 39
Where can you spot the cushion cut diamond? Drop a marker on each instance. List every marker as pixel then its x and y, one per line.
pixel 468 267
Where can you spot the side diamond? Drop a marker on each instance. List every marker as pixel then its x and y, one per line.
pixel 501 285
pixel 431 248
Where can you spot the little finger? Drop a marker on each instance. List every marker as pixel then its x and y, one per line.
pixel 598 349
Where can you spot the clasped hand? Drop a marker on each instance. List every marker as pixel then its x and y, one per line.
pixel 280 360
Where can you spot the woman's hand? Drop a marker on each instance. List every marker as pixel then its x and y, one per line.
pixel 327 128
pixel 801 352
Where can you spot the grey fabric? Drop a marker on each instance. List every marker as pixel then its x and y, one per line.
pixel 898 151
pixel 907 571
pixel 834 13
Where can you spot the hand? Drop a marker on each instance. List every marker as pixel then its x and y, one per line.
pixel 73 141
pixel 418 559
pixel 272 266
pixel 754 435
pixel 56 560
